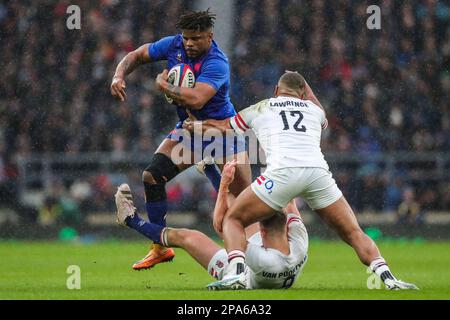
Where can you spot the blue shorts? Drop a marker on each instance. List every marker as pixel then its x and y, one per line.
pixel 216 145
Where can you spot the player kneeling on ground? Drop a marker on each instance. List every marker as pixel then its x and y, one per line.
pixel 276 253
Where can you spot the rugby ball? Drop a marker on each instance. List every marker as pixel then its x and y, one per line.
pixel 181 75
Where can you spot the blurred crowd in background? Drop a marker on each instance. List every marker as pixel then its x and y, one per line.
pixel 384 90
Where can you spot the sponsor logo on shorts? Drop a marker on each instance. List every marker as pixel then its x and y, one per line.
pixel 269 185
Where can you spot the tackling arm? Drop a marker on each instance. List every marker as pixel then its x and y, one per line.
pixel 221 125
pixel 221 206
pixel 291 208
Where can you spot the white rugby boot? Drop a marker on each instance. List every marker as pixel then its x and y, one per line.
pixel 124 204
pixel 234 279
pixel 399 285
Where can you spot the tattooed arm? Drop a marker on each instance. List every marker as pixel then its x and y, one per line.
pixel 130 62
pixel 205 125
pixel 191 98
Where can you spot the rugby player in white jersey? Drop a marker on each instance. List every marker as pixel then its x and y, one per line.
pixel 289 128
pixel 277 246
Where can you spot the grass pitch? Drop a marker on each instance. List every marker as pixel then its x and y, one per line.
pixel 38 270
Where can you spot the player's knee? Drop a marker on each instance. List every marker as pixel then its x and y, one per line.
pixel 235 216
pixel 160 170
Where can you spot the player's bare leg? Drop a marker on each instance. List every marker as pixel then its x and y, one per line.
pixel 341 218
pixel 197 244
pixel 154 180
pixel 247 209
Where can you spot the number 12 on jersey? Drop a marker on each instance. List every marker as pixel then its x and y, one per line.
pixel 293 114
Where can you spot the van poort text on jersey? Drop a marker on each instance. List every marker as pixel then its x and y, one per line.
pixel 284 274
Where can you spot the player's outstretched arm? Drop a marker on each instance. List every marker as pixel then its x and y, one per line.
pixel 127 65
pixel 191 98
pixel 203 126
pixel 291 208
pixel 221 206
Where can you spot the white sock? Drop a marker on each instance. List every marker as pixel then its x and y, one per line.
pixel 164 237
pixel 236 262
pixel 381 269
pixel 236 256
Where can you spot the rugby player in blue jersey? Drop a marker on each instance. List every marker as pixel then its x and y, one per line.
pixel 209 99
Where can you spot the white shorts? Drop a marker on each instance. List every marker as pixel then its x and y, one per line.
pixel 315 186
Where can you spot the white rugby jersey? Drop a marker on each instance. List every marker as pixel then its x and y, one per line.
pixel 271 269
pixel 289 130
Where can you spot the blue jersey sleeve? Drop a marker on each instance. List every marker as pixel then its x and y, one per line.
pixel 159 49
pixel 215 72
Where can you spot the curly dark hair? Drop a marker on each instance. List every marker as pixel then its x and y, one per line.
pixel 196 20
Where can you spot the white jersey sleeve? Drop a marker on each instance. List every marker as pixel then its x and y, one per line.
pixel 244 119
pixel 324 121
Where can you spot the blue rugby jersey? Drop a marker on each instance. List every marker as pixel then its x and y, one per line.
pixel 211 68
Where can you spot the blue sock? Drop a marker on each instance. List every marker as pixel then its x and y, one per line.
pixel 150 230
pixel 213 174
pixel 156 212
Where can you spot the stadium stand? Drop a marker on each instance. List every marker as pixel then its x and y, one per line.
pixel 386 95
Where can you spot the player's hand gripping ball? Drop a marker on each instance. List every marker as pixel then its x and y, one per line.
pixel 181 75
